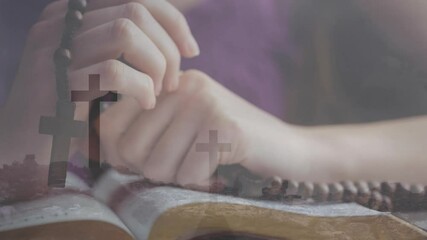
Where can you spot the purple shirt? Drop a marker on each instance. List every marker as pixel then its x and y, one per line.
pixel 241 42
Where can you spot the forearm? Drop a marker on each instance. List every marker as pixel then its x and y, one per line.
pixel 391 150
pixel 402 22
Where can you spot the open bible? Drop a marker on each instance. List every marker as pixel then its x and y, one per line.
pixel 124 207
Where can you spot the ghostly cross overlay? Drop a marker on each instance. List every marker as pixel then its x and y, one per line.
pixel 63 128
pixel 88 96
pixel 213 147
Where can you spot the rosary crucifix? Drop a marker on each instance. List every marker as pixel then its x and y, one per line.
pixel 63 127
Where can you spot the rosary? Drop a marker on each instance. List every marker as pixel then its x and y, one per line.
pixel 63 127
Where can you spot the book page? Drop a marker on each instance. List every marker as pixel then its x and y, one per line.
pixel 153 212
pixel 61 208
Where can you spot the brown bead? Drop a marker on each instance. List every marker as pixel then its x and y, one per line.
pixel 305 190
pixel 416 196
pixel 374 186
pixel 418 189
pixel 321 192
pixel 292 189
pixel 73 19
pixel 388 189
pixel 79 5
pixel 376 200
pixel 62 57
pixel 363 193
pixel 350 191
pixel 275 187
pixel 403 191
pixel 336 192
pixel 387 205
pixel 276 182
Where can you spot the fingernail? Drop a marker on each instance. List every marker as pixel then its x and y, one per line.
pixel 192 47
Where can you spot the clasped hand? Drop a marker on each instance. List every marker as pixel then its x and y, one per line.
pixel 164 113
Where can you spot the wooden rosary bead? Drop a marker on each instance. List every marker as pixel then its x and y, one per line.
pixel 275 188
pixel 387 205
pixel 291 190
pixel 73 19
pixel 418 189
pixel 271 194
pixel 79 5
pixel 306 190
pixel 376 200
pixel 336 192
pixel 321 192
pixel 363 193
pixel 374 186
pixel 416 196
pixel 402 190
pixel 388 189
pixel 350 191
pixel 62 58
pixel 276 183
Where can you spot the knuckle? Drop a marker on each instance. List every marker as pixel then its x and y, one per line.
pixel 179 19
pixel 173 57
pixel 114 72
pixel 123 28
pixel 160 66
pixel 195 81
pixel 162 63
pixel 137 12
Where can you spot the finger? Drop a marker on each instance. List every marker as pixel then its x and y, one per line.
pixel 208 151
pixel 55 9
pixel 116 76
pixel 113 123
pixel 126 41
pixel 170 150
pixel 172 20
pixel 45 34
pixel 140 138
pixel 139 15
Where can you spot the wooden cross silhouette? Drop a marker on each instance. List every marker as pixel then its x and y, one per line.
pixel 213 147
pixel 63 127
pixel 88 96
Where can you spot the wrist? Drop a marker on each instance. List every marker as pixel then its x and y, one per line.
pixel 324 154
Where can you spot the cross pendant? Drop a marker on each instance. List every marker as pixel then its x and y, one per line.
pixel 88 96
pixel 63 128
